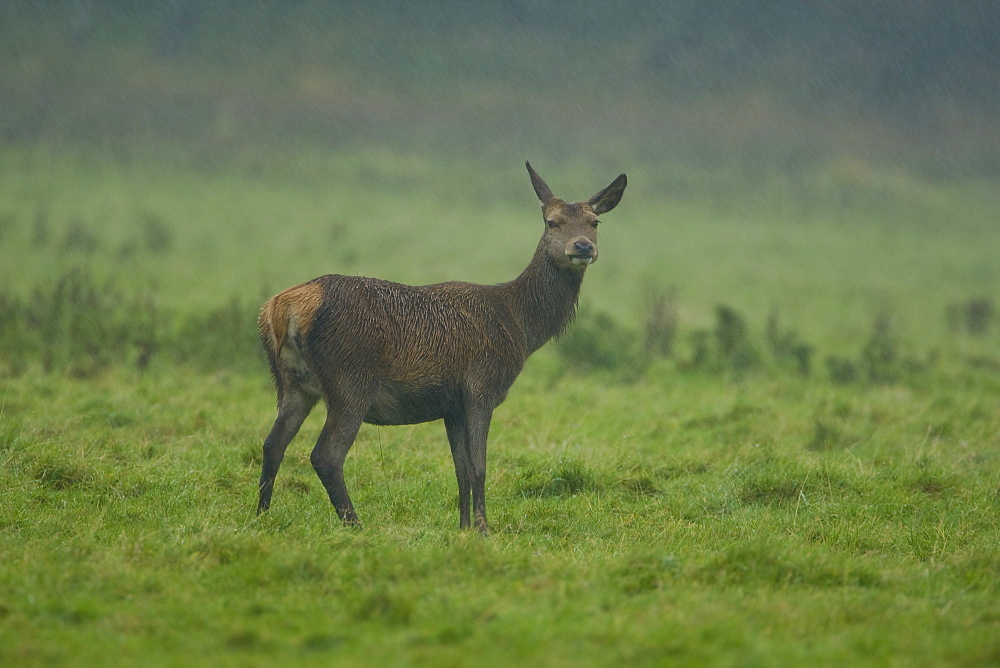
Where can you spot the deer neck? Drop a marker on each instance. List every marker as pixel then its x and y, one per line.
pixel 544 298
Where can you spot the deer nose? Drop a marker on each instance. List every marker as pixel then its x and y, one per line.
pixel 581 251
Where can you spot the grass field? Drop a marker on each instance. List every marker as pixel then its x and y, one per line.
pixel 673 519
pixel 772 437
pixel 722 508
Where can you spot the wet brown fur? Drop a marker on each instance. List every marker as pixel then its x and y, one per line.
pixel 387 353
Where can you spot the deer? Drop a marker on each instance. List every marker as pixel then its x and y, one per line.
pixel 385 353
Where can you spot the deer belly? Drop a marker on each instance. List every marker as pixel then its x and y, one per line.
pixel 403 403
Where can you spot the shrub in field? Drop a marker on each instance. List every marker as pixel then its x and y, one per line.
pixel 152 234
pixel 225 336
pixel 82 326
pixel 660 320
pixel 737 350
pixel 597 342
pixel 880 359
pixel 974 316
pixel 78 325
pixel 728 347
pixel 157 236
pixel 785 346
pixel 40 229
pixel 80 238
pixel 13 342
pixel 701 351
pixel 841 370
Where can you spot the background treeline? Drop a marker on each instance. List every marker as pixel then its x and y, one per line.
pixel 901 80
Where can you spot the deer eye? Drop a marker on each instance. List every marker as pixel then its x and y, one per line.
pixel 551 223
pixel 595 223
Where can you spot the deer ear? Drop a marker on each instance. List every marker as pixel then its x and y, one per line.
pixel 608 198
pixel 541 189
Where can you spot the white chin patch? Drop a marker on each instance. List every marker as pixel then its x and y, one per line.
pixel 582 261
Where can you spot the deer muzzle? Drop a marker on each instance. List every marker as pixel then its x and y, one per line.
pixel 581 251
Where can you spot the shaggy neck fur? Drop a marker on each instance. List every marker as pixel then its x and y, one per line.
pixel 544 298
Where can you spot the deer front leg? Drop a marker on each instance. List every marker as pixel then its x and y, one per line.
pixel 455 427
pixel 477 429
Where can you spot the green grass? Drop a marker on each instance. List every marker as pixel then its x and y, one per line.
pixel 675 519
pixel 809 472
pixel 715 505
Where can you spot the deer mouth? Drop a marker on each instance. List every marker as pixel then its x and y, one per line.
pixel 581 252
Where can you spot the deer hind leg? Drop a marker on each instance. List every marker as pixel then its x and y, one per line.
pixel 455 427
pixel 293 407
pixel 335 440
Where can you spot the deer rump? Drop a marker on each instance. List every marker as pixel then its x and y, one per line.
pixel 411 353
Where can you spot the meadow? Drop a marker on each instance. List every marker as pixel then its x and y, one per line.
pixel 771 437
pixel 691 475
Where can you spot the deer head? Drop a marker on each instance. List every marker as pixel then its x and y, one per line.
pixel 570 237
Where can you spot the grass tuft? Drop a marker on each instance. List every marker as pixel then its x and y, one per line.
pixel 566 476
pixel 63 474
pixel 768 563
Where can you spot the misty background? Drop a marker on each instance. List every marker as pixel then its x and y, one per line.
pixel 833 163
pixel 776 84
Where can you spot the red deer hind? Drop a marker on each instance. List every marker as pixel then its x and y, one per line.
pixel 391 354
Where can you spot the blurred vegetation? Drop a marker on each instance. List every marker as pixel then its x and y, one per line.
pixel 83 326
pixel 166 166
pixel 778 82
